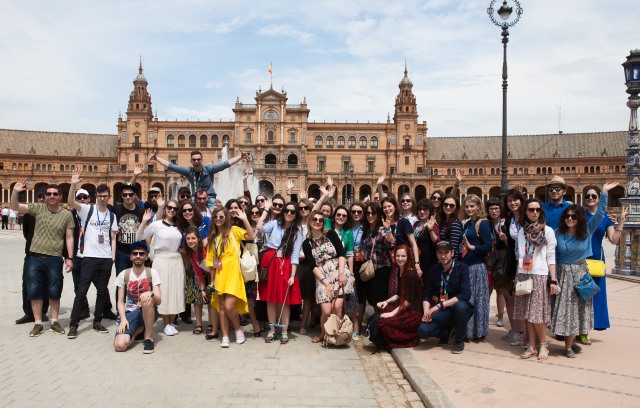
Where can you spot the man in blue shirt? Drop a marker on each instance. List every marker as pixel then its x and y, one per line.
pixel 446 301
pixel 199 176
pixel 556 189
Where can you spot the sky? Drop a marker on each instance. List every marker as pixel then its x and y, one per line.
pixel 68 66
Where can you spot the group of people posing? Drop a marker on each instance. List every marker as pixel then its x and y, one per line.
pixel 431 265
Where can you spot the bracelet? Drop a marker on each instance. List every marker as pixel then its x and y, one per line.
pixel 323 279
pixel 620 229
pixel 386 230
pixel 438 306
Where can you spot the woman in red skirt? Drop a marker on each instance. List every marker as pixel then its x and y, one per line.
pixel 283 239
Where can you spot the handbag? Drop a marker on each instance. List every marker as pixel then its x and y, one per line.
pixel 586 287
pixel 524 287
pixel 368 270
pixel 597 267
pixel 263 272
pixel 248 263
pixel 337 331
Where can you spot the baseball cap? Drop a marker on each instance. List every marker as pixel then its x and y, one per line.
pixel 141 245
pixel 81 191
pixel 155 190
pixel 444 244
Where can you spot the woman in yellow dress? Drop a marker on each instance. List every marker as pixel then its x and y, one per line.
pixel 223 258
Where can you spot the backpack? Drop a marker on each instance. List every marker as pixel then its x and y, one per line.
pixel 373 332
pixel 127 274
pixel 84 230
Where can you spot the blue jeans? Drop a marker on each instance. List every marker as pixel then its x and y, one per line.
pixel 26 303
pixel 44 276
pixel 135 319
pixel 441 322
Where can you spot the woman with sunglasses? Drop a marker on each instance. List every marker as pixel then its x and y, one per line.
pixel 357 230
pixel 536 261
pixel 167 261
pixel 243 202
pixel 449 223
pixel 281 257
pixel 253 214
pixel 326 258
pixel 341 223
pixel 409 208
pixel 613 233
pixel 475 245
pixel 572 315
pixel 514 204
pixel 378 244
pixel 194 254
pixel 305 274
pixel 223 259
pixel 426 234
pixel 499 244
pixel 261 200
pixel 189 216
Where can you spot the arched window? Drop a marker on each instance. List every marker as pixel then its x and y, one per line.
pixel 319 142
pixel 95 168
pixel 19 166
pixel 610 169
pixel 214 141
pixel 62 167
pixel 374 142
pixel 270 115
pixel 203 141
pixel 84 168
pixel 270 161
pixel 181 141
pixel 225 140
pixel 515 171
pixel 597 169
pixel 549 170
pixel 270 138
pixel 170 141
pixel 475 172
pixel 617 169
pixel 448 172
pixel 340 142
pixel 38 167
pixel 352 142
pixel 363 142
pixel 481 172
pixel 73 167
pixel 330 142
pixel 50 168
pixel 493 171
pixel 471 172
pixel 435 172
pixel 592 169
pixel 192 141
pixel 538 171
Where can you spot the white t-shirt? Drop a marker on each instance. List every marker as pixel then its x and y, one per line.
pixel 98 225
pixel 136 286
pixel 12 214
pixel 5 211
pixel 167 237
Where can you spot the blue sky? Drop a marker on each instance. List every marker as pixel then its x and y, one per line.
pixel 69 66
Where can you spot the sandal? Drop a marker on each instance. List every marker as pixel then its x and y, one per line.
pixel 543 354
pixel 197 329
pixel 529 353
pixel 210 335
pixel 316 339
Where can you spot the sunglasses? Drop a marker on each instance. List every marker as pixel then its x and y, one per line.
pixel 356 212
pixel 449 205
pixel 82 197
pixel 571 216
pixel 172 208
pixel 406 200
pixel 370 213
pixel 242 202
pixel 423 209
pixel 436 198
pixel 196 160
pixel 278 205
pixel 318 220
pixel 341 215
pixel 555 189
pixel 138 253
pixel 218 217
pixel 290 211
pixel 260 200
pixel 303 208
pixel 591 196
pixel 186 210
pixel 125 195
pixel 534 209
pixel 185 195
pixel 48 194
pixel 255 212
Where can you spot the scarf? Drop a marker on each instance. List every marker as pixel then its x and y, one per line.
pixel 534 233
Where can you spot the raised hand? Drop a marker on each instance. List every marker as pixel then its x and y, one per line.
pixel 331 191
pixel 459 175
pixel 290 184
pixel 381 179
pixel 148 214
pixel 608 186
pixel 431 223
pixel 138 169
pixel 153 156
pixel 303 194
pixel 329 181
pixel 75 176
pixel 386 222
pixel 160 201
pixel 267 205
pixel 241 215
pixel 20 185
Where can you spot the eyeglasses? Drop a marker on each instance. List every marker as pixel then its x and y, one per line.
pixel 125 195
pixel 185 210
pixel 243 202
pixel 449 205
pixel 303 208
pixel 494 209
pixel 436 198
pixel 255 212
pixel 290 211
pixel 423 209
pixel 55 194
pixel 534 209
pixel 356 212
pixel 103 196
pixel 138 253
pixel 218 217
pixel 555 188
pixel 259 200
pixel 82 197
pixel 185 195
pixel 571 216
pixel 591 196
pixel 172 208
pixel 278 205
pixel 341 215
pixel 196 160
pixel 406 200
pixel 318 220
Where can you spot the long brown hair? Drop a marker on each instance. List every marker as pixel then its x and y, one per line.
pixel 187 252
pixel 224 230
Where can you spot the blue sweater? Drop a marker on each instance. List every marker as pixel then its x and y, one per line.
pixel 482 243
pixel 569 248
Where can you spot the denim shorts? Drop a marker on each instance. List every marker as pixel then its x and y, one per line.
pixel 44 276
pixel 135 319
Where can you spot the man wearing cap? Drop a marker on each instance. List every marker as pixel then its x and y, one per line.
pixel 82 196
pixel 29 225
pixel 98 252
pixel 556 189
pixel 184 194
pixel 200 176
pixel 138 301
pixel 446 302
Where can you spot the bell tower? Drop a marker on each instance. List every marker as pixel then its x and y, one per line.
pixel 406 108
pixel 139 99
pixel 405 118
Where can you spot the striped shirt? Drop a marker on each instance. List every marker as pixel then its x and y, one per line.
pixel 50 232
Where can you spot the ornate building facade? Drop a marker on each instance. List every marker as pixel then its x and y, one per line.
pixel 284 145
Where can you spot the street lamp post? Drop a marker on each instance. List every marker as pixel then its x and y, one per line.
pixel 505 21
pixel 626 263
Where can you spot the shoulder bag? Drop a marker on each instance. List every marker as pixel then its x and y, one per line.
pixel 337 331
pixel 248 263
pixel 368 270
pixel 597 267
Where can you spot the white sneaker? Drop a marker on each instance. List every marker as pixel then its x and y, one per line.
pixel 168 330
pixel 500 323
pixel 175 329
pixel 240 336
pixel 225 342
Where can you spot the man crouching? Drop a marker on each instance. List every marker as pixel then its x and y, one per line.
pixel 141 309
